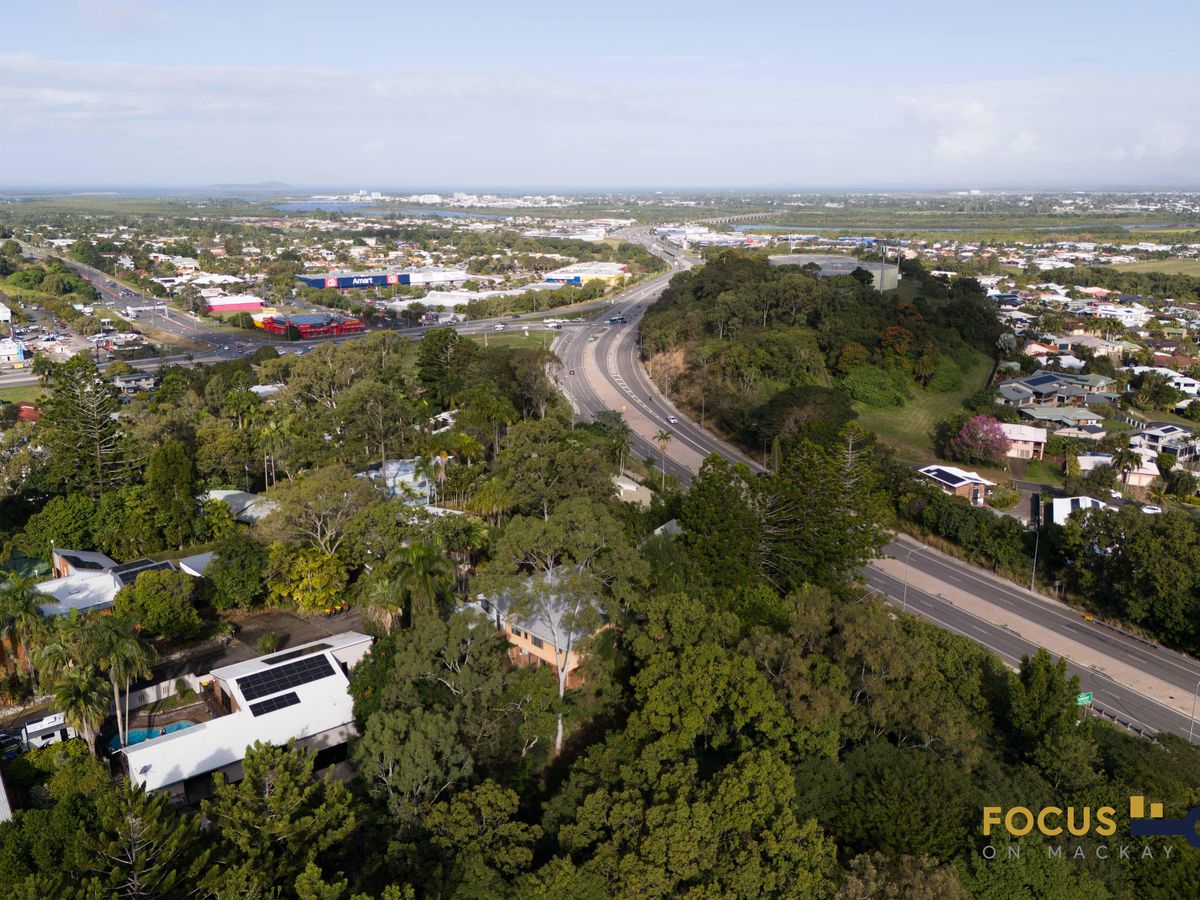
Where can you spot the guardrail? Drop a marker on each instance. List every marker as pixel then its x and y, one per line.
pixel 1127 722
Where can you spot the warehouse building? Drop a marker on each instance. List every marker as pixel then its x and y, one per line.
pixel 233 303
pixel 884 276
pixel 344 281
pixel 581 273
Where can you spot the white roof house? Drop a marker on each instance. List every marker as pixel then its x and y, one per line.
pixel 247 508
pixel 1062 507
pixel 301 693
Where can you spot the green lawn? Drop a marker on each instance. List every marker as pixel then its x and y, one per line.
pixel 30 393
pixel 909 429
pixel 538 339
pixel 1167 266
pixel 1044 472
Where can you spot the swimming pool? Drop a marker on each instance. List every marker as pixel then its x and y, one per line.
pixel 137 735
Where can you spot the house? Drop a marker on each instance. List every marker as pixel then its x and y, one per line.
pixel 541 637
pixel 86 581
pixel 1082 432
pixel 196 565
pixel 1061 415
pixel 959 483
pixel 1185 384
pixel 135 383
pixel 1097 346
pixel 300 694
pixel 1062 507
pixel 1025 441
pixel 247 508
pixel 402 478
pixel 1168 438
pixel 1142 476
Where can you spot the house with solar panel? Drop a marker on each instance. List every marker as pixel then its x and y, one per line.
pixel 301 693
pixel 957 482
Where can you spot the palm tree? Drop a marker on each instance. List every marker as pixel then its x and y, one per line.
pixel 1125 460
pixel 662 439
pixel 492 499
pixel 125 658
pixel 384 602
pixel 426 577
pixel 622 441
pixel 82 697
pixel 20 619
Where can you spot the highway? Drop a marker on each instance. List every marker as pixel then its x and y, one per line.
pixel 1140 685
pixel 602 369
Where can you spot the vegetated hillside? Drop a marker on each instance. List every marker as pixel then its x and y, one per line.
pixel 765 351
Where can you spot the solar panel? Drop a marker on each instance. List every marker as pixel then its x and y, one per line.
pixel 947 477
pixel 280 678
pixel 281 701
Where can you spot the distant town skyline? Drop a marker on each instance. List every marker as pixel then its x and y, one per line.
pixel 757 96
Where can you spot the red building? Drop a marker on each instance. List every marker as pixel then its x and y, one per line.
pixel 312 326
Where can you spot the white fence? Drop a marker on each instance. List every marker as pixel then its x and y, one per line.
pixel 160 691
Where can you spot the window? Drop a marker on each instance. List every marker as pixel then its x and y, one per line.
pixel 537 642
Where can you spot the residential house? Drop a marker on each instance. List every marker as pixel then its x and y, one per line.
pixel 300 694
pixel 1097 346
pixel 1068 416
pixel 959 483
pixel 1062 507
pixel 135 383
pixel 541 637
pixel 86 581
pixel 1142 476
pixel 402 478
pixel 1185 384
pixel 1025 441
pixel 1168 438
pixel 1082 432
pixel 247 508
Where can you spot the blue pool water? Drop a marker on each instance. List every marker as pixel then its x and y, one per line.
pixel 137 735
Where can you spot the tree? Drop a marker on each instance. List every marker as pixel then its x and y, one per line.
pixel 981 439
pixel 20 620
pixel 310 578
pixel 143 848
pixel 562 571
pixel 377 416
pixel 82 697
pixel 237 571
pixel 159 603
pixel 1126 460
pixel 544 462
pixel 485 842
pixel 663 438
pixel 319 508
pixel 279 818
pixel 124 658
pixel 171 484
pixel 79 421
pixel 721 526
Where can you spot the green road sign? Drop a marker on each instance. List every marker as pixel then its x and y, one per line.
pixel 1084 699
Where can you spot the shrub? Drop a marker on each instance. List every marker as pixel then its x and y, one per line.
pixel 946 376
pixel 875 387
pixel 268 642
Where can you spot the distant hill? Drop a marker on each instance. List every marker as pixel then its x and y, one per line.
pixel 257 186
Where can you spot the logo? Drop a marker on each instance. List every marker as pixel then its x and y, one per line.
pixel 1154 825
pixel 1083 822
pixel 330 282
pixel 393 279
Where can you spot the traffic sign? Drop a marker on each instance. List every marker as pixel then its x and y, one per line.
pixel 1084 699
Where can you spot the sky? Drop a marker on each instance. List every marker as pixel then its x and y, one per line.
pixel 572 95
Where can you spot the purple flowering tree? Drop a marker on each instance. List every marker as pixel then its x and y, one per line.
pixel 980 440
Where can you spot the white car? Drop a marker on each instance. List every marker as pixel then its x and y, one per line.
pixel 672 420
pixel 1151 509
pixel 499 326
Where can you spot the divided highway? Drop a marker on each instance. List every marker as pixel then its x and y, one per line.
pixel 1142 686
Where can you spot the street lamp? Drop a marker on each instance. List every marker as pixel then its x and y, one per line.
pixel 1192 723
pixel 907 567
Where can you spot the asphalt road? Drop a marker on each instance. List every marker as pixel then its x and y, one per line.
pixel 602 369
pixel 1181 672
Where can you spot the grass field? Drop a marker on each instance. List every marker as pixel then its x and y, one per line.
pixel 909 429
pixel 537 339
pixel 1166 266
pixel 30 393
